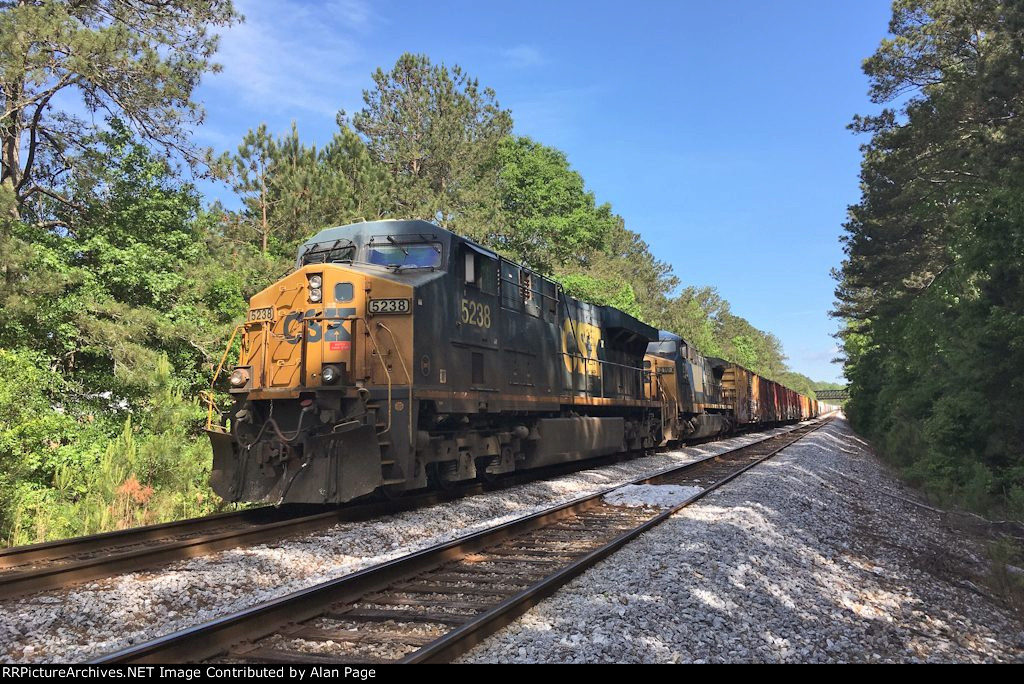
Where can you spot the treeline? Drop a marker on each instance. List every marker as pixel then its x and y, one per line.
pixel 932 288
pixel 120 284
pixel 431 143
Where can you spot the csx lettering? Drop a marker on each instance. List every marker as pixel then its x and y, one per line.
pixel 336 331
pixel 475 313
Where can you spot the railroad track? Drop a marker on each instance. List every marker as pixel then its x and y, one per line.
pixel 69 562
pixel 435 604
pixel 38 567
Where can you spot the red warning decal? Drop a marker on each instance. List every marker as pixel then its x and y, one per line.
pixel 340 346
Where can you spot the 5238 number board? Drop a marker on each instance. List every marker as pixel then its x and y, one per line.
pixel 389 306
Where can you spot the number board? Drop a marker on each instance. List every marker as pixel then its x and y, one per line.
pixel 390 306
pixel 476 313
pixel 264 314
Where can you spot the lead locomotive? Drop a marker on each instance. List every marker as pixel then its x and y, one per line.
pixel 398 356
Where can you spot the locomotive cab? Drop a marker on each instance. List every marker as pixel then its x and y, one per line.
pixel 325 356
pixel 692 389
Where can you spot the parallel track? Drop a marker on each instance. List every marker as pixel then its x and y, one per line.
pixel 435 604
pixel 57 564
pixel 69 562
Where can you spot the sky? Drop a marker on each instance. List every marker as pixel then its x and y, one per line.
pixel 716 130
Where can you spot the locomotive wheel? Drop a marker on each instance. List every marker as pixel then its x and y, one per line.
pixel 481 470
pixel 436 479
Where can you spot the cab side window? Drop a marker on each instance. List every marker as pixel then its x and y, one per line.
pixel 480 271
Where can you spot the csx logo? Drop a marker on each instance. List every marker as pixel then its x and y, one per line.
pixel 335 332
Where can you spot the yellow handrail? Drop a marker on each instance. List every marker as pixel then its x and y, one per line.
pixel 387 374
pixel 408 376
pixel 220 367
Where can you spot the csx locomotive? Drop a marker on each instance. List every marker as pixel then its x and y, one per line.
pixel 399 355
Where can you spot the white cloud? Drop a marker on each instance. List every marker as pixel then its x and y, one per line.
pixel 290 54
pixel 523 56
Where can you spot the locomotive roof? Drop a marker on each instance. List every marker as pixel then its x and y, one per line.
pixel 364 230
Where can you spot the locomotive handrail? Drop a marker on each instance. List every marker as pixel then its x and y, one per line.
pixel 387 374
pixel 408 376
pixel 601 362
pixel 210 394
pixel 213 383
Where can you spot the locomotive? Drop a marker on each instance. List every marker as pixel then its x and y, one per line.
pixel 398 355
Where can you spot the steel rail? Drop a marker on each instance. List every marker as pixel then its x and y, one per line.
pixel 462 639
pixel 68 562
pixel 244 627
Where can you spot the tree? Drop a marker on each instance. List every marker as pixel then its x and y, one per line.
pixel 437 132
pixel 135 60
pixel 627 258
pixel 548 219
pixel 930 289
pixel 693 314
pixel 105 302
pixel 253 177
pixel 604 292
pixel 290 190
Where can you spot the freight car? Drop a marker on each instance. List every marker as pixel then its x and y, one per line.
pixel 398 355
pixel 706 396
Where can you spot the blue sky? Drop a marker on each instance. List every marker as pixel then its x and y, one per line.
pixel 717 130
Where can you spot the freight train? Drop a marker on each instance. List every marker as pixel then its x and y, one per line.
pixel 399 356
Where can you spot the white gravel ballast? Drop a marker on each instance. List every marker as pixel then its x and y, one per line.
pixel 107 615
pixel 813 556
pixel 650 496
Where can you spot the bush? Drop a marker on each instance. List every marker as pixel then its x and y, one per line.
pixel 66 475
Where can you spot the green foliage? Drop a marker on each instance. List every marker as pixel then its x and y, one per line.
pixel 548 219
pixel 122 314
pixel 136 61
pixel 934 276
pixel 437 132
pixel 107 299
pixel 117 288
pixel 693 314
pixel 63 475
pixel 604 292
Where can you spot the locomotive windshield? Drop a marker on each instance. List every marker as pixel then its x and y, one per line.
pixel 339 251
pixel 666 349
pixel 405 255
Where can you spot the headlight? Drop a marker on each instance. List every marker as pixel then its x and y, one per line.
pixel 315 281
pixel 315 295
pixel 239 377
pixel 330 374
